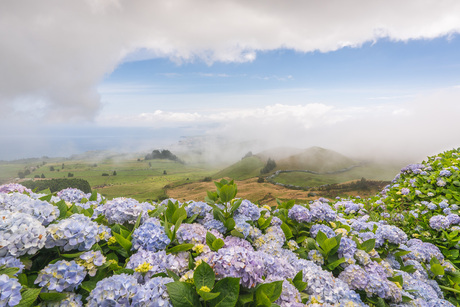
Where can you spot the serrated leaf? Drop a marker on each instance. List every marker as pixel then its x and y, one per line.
pixel 210 238
pixel 52 296
pixel 88 285
pixel 437 269
pixel 230 224
pixel 217 244
pixel 321 237
pixel 298 281
pixel 74 255
pixel 29 296
pixel 206 296
pixel 204 276
pixel 271 290
pixel 236 233
pixel 331 266
pixel 287 231
pixel 62 206
pixel 182 294
pixel 93 196
pixel 229 288
pixel 9 271
pixel 368 245
pixel 173 275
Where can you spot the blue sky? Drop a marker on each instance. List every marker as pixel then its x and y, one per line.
pixel 111 74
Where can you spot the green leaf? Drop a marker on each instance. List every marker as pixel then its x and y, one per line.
pixel 170 210
pixel 262 300
pixel 298 281
pixel 331 266
pixel 75 255
pixel 210 238
pixel 191 219
pixel 230 224
pixel 227 193
pixel 125 243
pixel 173 275
pixel 124 271
pixel 88 285
pixel 62 206
pixel 9 271
pixel 229 288
pixel 271 290
pixel 437 269
pixel 206 296
pixel 321 237
pixel 179 213
pixel 328 245
pixel 183 294
pixel 204 276
pixel 267 223
pixel 217 244
pixel 236 233
pixel 402 253
pixel 29 296
pixel 23 279
pixel 93 196
pixel 368 245
pixel 180 248
pixel 236 205
pixel 287 231
pixel 53 296
pixel 408 268
pixel 246 298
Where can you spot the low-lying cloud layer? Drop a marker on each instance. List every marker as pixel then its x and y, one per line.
pixel 53 54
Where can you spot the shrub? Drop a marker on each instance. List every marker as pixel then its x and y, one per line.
pixel 56 185
pixel 105 174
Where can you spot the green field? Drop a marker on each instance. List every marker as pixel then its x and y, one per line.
pixel 369 172
pixel 142 180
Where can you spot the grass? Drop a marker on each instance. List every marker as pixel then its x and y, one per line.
pixel 370 172
pixel 246 168
pixel 141 180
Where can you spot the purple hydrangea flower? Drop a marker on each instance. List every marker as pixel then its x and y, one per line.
pixel 191 233
pixel 238 262
pixel 445 173
pixel 156 293
pixel 300 214
pixel 124 210
pixel 72 195
pixel 14 187
pixel 389 233
pixel 322 212
pixel 117 290
pixel 197 207
pixel 405 191
pixel 12 262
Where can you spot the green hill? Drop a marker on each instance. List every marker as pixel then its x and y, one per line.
pixel 246 168
pixel 316 159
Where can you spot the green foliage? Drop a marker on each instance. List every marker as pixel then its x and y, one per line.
pixel 269 166
pixel 56 185
pixel 162 154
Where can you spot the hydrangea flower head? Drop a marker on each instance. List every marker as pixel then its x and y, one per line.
pixel 249 210
pixel 61 276
pixel 439 222
pixel 76 232
pixel 91 260
pixel 14 187
pixel 117 290
pixel 150 236
pixel 20 234
pixel 10 291
pixel 198 207
pixel 124 210
pixel 299 214
pixel 322 212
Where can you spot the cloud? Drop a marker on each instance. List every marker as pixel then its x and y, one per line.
pixel 53 54
pixel 406 131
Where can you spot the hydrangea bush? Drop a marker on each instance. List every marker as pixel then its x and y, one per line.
pixel 398 248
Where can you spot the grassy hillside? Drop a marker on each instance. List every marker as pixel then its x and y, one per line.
pixel 246 168
pixel 316 159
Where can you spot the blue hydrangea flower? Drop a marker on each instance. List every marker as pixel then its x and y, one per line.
pixel 439 222
pixel 231 241
pixel 238 262
pixel 322 212
pixel 61 276
pixel 10 291
pixel 147 263
pixel 315 256
pixel 290 296
pixel 389 233
pixel 300 214
pixel 157 293
pixel 124 210
pixel 91 260
pixel 355 276
pixel 405 191
pixel 277 268
pixel 197 207
pixel 117 290
pixel 191 233
pixel 249 210
pixel 423 251
pixel 43 211
pixel 20 234
pixel 12 262
pixel 347 248
pixel 76 232
pixel 453 219
pixel 151 236
pixel 440 183
pixel 445 173
pixel 323 228
pixel 210 223
pixel 72 195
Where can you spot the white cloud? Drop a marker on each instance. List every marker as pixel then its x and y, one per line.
pixel 57 52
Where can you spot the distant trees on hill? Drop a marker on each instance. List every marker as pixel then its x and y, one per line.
pixel 162 154
pixel 271 164
pixel 56 185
